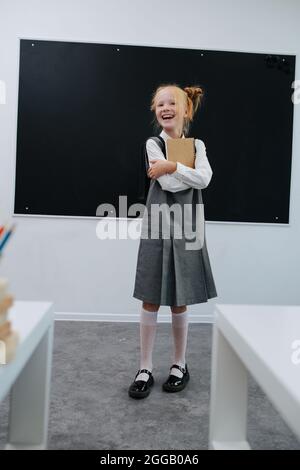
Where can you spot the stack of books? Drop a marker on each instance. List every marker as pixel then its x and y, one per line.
pixel 9 338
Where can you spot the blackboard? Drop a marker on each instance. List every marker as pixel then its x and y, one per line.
pixel 83 116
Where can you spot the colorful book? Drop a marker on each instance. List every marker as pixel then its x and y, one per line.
pixel 4 239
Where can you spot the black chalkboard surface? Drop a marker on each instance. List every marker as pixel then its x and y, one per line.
pixel 83 116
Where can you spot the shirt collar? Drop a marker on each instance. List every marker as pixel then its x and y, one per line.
pixel 165 136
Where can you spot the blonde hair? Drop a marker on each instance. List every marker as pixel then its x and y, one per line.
pixel 189 97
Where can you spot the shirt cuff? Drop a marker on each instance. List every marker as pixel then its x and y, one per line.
pixel 179 172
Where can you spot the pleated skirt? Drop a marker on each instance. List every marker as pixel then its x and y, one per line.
pixel 169 274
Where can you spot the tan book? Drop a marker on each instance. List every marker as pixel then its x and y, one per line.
pixel 181 150
pixel 11 342
pixel 5 329
pixel 6 303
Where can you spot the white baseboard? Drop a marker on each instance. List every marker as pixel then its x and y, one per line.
pixel 127 317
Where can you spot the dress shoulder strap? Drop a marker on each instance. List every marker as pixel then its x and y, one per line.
pixel 161 143
pixel 144 180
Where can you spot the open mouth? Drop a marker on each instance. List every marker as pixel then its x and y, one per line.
pixel 167 118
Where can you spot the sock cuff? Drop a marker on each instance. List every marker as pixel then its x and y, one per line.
pixel 148 318
pixel 179 320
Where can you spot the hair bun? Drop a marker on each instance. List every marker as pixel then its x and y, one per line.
pixel 193 91
pixel 195 96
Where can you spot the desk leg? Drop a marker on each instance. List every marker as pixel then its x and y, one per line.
pixel 29 405
pixel 229 395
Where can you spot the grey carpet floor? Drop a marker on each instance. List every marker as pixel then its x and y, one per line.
pixel 93 366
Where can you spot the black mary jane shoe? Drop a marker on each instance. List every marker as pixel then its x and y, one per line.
pixel 174 383
pixel 141 388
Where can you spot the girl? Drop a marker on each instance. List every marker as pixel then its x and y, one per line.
pixel 167 273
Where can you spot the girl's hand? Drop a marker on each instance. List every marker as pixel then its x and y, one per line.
pixel 160 167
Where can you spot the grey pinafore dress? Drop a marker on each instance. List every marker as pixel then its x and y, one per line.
pixel 167 273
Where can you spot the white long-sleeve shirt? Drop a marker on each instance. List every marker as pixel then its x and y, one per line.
pixel 184 177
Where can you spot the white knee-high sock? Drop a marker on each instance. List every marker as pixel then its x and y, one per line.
pixel 148 324
pixel 180 332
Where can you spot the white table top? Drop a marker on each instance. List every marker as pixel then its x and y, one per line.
pixel 31 320
pixel 26 316
pixel 263 337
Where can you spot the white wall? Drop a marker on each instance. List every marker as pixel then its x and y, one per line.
pixel 61 259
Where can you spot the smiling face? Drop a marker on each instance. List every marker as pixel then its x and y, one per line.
pixel 170 110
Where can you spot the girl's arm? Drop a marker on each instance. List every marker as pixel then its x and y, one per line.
pixel 198 177
pixel 168 182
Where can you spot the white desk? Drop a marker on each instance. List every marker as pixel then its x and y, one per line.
pixel 258 339
pixel 29 375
